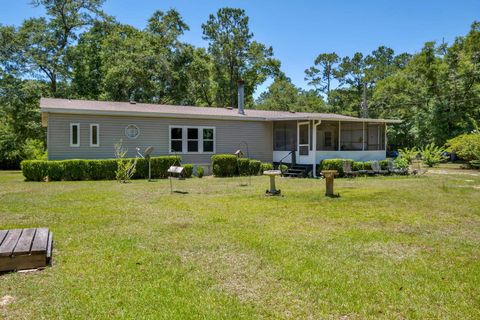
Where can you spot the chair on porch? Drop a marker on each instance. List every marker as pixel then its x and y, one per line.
pixel 347 169
pixel 377 169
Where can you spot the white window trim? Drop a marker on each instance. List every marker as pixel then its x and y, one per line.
pixel 98 134
pixel 78 134
pixel 138 129
pixel 185 140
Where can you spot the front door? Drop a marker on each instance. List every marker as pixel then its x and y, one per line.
pixel 303 140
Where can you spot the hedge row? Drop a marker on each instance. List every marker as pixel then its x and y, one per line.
pixel 71 170
pixel 228 165
pixel 337 164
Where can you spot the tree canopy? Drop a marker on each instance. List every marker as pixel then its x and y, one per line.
pixel 78 51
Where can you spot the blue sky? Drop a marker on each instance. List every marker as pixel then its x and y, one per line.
pixel 299 30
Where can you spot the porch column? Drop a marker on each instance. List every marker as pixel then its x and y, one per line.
pixel 385 147
pixel 315 125
pixel 339 135
pixel 363 135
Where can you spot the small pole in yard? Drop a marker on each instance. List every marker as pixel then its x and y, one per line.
pixel 329 177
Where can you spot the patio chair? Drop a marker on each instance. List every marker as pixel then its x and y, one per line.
pixel 377 169
pixel 347 169
pixel 393 169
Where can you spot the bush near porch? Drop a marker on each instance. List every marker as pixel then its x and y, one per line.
pixel 337 164
pixel 75 170
pixel 228 165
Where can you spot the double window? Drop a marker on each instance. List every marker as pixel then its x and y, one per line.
pixel 75 135
pixel 185 139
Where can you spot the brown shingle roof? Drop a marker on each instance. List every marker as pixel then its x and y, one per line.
pixel 51 105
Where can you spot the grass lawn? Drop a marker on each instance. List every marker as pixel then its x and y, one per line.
pixel 389 248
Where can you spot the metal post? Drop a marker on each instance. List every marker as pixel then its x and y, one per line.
pixel 149 169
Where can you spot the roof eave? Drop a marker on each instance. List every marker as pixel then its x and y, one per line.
pixel 150 114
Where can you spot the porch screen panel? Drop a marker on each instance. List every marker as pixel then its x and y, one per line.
pixel 284 135
pixel 351 136
pixel 327 136
pixel 375 136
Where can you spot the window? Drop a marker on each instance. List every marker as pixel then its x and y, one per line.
pixel 176 144
pixel 74 134
pixel 132 131
pixel 207 140
pixel 192 139
pixel 94 135
pixel 284 135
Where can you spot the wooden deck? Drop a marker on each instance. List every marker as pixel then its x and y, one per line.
pixel 22 249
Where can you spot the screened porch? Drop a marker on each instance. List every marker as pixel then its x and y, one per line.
pixel 308 142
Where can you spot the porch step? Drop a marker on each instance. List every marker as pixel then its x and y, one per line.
pixel 296 172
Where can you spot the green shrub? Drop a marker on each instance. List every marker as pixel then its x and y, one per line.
pixel 224 165
pixel 160 166
pixel 200 172
pixel 34 170
pixel 255 167
pixel 187 170
pixel 475 164
pixel 266 166
pixel 243 166
pixel 358 166
pixel 409 154
pixel 432 155
pixel 283 168
pixel 56 170
pixel 34 149
pixel 102 169
pixel 334 164
pixel 401 163
pixel 74 170
pixel 383 164
pixel 466 146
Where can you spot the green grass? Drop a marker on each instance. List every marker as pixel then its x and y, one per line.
pixel 388 248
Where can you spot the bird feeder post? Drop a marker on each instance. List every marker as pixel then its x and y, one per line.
pixel 273 190
pixel 329 177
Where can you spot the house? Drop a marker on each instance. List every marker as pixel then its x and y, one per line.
pixel 80 129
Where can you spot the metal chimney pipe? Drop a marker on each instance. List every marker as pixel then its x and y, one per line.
pixel 241 97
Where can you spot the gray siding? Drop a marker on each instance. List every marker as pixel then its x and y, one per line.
pixel 154 132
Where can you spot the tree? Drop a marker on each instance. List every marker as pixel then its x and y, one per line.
pixel 322 73
pixel 283 95
pixel 44 42
pixel 235 55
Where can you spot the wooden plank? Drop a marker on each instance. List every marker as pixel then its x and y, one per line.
pixel 49 249
pixel 22 262
pixel 10 242
pixel 3 234
pixel 25 242
pixel 39 244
